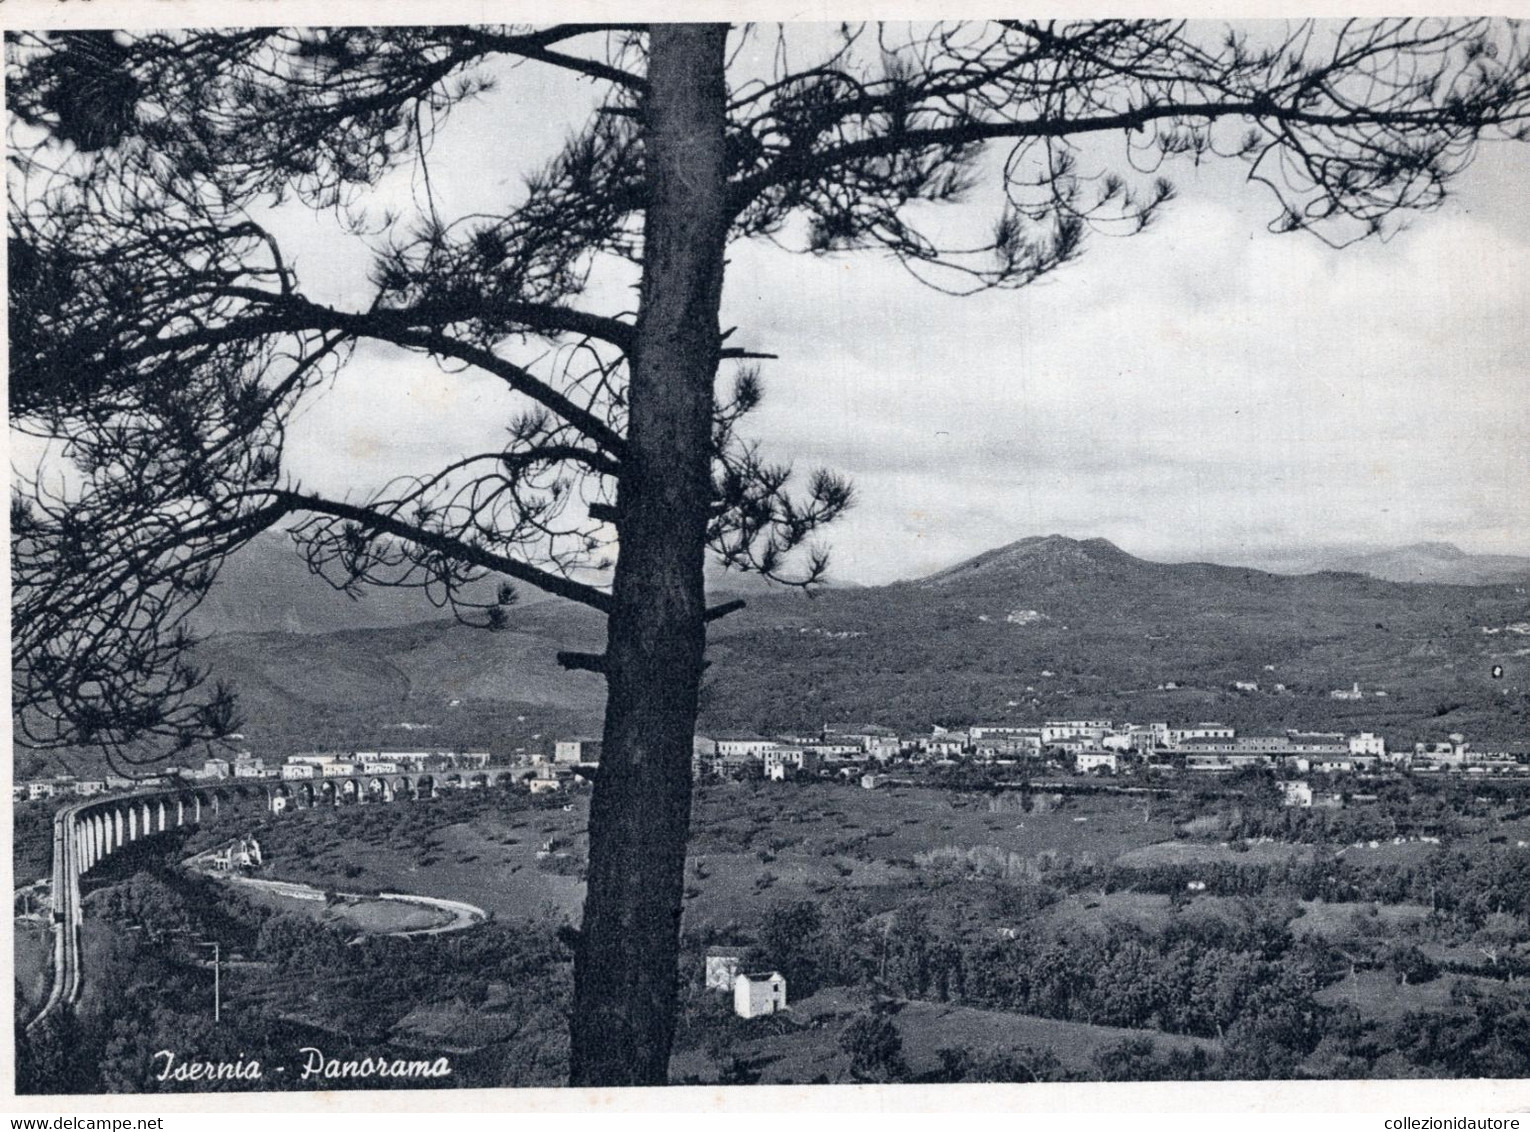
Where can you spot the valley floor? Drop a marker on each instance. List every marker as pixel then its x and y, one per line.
pixel 925 933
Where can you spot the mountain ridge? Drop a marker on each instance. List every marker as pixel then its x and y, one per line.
pixel 1047 627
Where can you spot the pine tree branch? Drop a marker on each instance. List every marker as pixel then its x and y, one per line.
pixel 800 165
pixel 535 47
pixel 374 520
pixel 291 314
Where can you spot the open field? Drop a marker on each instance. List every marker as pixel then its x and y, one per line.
pixel 896 823
pixel 1380 995
pixel 807 1047
pixel 1338 922
pixel 1093 911
pixel 751 842
pixel 1210 853
pixel 488 857
pixel 1382 853
pixel 754 841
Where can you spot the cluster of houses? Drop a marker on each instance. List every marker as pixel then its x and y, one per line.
pixel 1084 746
pixel 238 855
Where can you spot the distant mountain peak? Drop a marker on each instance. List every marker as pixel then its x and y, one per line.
pixel 1042 555
pixel 1434 550
pixel 1442 562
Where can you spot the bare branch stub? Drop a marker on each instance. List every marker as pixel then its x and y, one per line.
pixel 718 612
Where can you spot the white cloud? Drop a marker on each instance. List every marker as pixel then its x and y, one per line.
pixel 1200 389
pixel 1195 391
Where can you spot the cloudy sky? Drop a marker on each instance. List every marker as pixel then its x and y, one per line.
pixel 1204 390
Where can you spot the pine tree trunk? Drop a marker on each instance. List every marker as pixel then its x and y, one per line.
pixel 625 965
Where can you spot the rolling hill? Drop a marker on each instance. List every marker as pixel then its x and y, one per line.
pixel 1049 627
pixel 1042 628
pixel 267 587
pixel 1439 562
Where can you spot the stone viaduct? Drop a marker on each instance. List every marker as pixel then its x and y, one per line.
pixel 86 833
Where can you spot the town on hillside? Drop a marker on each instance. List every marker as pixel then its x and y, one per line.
pixel 868 754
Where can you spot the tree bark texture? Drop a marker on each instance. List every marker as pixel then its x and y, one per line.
pixel 625 965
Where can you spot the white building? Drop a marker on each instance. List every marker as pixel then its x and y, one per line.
pixel 1061 730
pixel 89 787
pixel 942 743
pixel 1367 744
pixel 1297 793
pixel 546 780
pixel 415 759
pixel 1085 761
pixel 781 759
pixel 241 854
pixel 1177 735
pixel 1009 746
pixel 757 994
pixel 834 750
pixel 1000 731
pixel 742 744
pixel 580 749
pixel 293 771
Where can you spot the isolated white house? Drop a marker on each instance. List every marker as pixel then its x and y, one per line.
pixel 1297 793
pixel 757 994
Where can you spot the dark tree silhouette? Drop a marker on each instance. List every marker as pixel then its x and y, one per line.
pixel 161 340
